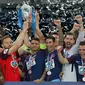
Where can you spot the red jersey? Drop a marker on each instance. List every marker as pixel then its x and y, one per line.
pixel 9 66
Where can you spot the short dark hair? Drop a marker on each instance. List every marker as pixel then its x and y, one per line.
pixel 37 39
pixel 82 43
pixel 50 37
pixel 4 37
pixel 70 33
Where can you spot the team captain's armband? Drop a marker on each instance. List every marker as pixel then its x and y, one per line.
pixel 42 46
pixel 25 48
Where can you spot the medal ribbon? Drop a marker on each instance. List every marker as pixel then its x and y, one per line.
pixel 30 61
pixel 30 68
pixel 83 64
pixel 49 66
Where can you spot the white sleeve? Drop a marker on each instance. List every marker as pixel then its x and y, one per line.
pixel 75 48
pixel 80 37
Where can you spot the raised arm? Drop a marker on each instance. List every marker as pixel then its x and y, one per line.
pixel 75 30
pixel 81 29
pixel 74 49
pixel 38 31
pixel 60 33
pixel 26 38
pixel 19 39
pixel 60 56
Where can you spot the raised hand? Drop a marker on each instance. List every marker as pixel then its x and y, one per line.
pixel 76 27
pixel 59 49
pixel 27 23
pixel 58 23
pixel 78 18
pixel 37 17
pixel 29 18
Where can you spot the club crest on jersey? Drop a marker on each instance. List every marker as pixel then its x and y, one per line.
pixel 14 64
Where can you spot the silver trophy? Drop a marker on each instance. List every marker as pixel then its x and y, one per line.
pixel 26 10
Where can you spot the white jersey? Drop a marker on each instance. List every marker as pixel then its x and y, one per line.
pixel 69 74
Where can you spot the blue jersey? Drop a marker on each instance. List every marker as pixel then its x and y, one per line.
pixel 38 68
pixel 77 61
pixel 57 66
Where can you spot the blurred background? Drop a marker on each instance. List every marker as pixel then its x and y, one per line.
pixel 65 10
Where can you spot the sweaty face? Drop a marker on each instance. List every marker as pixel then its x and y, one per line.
pixel 7 43
pixel 50 44
pixel 35 45
pixel 69 41
pixel 82 51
